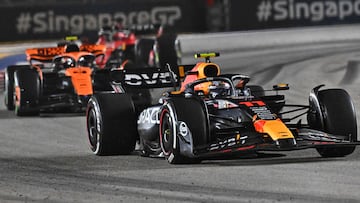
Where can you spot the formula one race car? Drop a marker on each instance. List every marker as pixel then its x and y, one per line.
pixel 212 114
pixel 57 78
pixel 144 45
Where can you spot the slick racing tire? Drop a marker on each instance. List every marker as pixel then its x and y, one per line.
pixel 111 124
pixel 27 92
pixel 9 86
pixel 339 119
pixel 192 117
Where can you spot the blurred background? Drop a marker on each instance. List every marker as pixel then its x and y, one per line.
pixel 54 19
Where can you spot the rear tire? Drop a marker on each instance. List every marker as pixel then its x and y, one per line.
pixel 27 86
pixel 339 119
pixel 111 124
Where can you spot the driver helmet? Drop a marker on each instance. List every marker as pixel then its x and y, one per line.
pixel 219 89
pixel 67 62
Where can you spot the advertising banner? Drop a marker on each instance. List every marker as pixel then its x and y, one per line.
pixel 262 14
pixel 38 23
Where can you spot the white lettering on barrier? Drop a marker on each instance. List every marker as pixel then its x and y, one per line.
pixel 281 10
pixel 50 22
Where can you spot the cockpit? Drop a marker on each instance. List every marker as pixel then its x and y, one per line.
pixel 64 62
pixel 219 87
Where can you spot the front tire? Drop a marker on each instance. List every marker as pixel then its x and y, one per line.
pixel 339 119
pixel 169 137
pixel 9 86
pixel 111 124
pixel 27 92
pixel 191 113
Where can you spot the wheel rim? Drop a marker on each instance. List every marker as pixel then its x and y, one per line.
pixel 17 99
pixel 166 132
pixel 93 131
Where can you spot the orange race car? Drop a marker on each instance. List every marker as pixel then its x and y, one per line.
pixel 56 79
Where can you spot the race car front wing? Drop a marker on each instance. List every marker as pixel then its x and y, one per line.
pixel 254 142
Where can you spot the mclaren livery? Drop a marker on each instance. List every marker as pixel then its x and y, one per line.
pixel 57 78
pixel 210 114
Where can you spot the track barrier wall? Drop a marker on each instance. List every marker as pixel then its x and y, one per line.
pixel 50 21
pixel 265 14
pixel 55 22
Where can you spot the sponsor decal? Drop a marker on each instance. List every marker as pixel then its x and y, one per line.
pixel 263 113
pixel 223 144
pixel 230 142
pixel 149 79
pixel 253 103
pixel 300 10
pixel 259 108
pixel 150 115
pixel 49 21
pixel 51 51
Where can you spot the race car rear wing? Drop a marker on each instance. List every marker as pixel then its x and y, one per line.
pixel 48 53
pixel 144 78
pixel 95 49
pixel 147 78
pixel 45 54
pixel 168 77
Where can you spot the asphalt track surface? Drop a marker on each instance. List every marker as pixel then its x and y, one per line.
pixel 47 159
